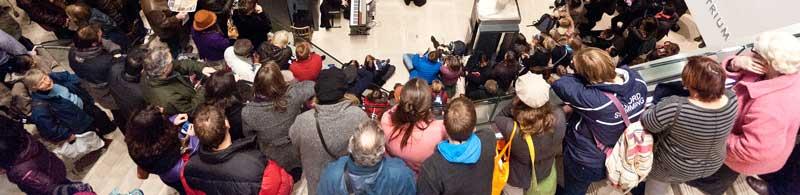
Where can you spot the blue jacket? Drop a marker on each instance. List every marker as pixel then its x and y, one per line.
pixel 393 178
pixel 424 68
pixel 57 118
pixel 595 114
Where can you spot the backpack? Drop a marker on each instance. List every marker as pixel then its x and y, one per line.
pixel 631 159
pixel 545 23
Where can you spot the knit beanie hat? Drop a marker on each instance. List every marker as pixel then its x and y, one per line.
pixel 331 86
pixel 533 90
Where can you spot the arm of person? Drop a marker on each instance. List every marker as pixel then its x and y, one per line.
pixel 427 183
pixel 48 126
pixel 187 66
pixel 759 131
pixel 572 91
pixel 11 45
pixel 661 116
pixel 733 64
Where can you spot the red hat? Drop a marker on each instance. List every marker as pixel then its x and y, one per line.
pixel 204 19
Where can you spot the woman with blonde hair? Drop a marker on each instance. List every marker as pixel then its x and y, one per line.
pixel 276 49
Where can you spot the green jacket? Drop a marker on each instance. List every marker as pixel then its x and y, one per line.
pixel 175 93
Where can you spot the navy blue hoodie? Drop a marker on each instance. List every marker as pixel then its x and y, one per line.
pixel 595 114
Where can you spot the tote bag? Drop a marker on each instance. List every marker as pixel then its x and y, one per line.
pixel 501 166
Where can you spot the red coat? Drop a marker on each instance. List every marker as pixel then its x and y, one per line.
pixel 307 70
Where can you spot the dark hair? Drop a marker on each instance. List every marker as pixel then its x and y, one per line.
pixel 247 7
pixel 413 108
pixel 269 52
pixel 149 133
pixel 23 63
pixel 220 89
pixel 649 26
pixel 434 55
pixel 269 85
pixel 134 61
pixel 453 63
pixel 369 62
pixel 459 118
pixel 704 76
pixel 243 47
pixel 87 37
pixel 669 9
pixel 209 126
pixel 532 121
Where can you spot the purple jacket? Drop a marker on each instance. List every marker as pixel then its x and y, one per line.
pixel 37 170
pixel 210 44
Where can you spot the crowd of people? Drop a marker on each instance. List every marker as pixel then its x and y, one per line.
pixel 250 113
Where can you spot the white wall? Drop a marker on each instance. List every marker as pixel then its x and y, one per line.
pixel 726 23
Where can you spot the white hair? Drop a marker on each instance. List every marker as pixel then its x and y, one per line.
pixel 280 38
pixel 780 49
pixel 367 144
pixel 156 61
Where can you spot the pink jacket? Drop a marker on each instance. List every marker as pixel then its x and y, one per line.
pixel 765 130
pixel 420 145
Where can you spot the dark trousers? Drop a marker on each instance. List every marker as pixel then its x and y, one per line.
pixel 578 177
pixel 717 183
pixel 787 179
pixel 101 123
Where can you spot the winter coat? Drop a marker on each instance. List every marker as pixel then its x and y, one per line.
pixel 111 30
pixel 162 20
pixel 253 27
pixel 9 47
pixel 175 94
pixel 270 52
pixel 424 68
pixel 112 8
pixel 440 176
pixel 241 66
pixel 337 123
pixel 476 77
pixel 47 14
pixel 271 128
pixel 505 74
pixel 389 177
pixel 57 118
pixel 238 169
pixel 308 69
pixel 92 66
pixel 765 131
pixel 211 44
pixel 36 170
pixel 126 91
pixel 595 116
pixel 546 147
pixel 421 143
pixel 362 81
pixel 450 77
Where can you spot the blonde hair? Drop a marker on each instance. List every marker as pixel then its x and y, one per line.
pixel 780 49
pixel 280 38
pixel 32 78
pixel 437 86
pixel 595 65
pixel 352 98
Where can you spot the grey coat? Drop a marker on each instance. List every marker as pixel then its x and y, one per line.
pixel 337 123
pixel 271 128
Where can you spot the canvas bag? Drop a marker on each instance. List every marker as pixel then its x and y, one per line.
pixel 631 159
pixel 548 184
pixel 501 166
pixel 84 144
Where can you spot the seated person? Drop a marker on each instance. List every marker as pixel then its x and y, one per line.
pixel 464 163
pixel 381 68
pixel 240 59
pixel 478 75
pixel 277 50
pixel 425 66
pixel 366 170
pixel 308 64
pixel 222 166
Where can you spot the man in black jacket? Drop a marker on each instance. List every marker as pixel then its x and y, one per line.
pixel 123 83
pixel 464 163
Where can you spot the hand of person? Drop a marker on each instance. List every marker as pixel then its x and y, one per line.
pixel 208 71
pixel 259 9
pixel 180 119
pixel 71 138
pixel 190 131
pixel 751 64
pixel 181 15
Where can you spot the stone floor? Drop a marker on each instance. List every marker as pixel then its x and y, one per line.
pixel 400 29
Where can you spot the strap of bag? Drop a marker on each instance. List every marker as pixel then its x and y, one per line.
pixel 507 147
pixel 621 109
pixel 322 138
pixel 532 152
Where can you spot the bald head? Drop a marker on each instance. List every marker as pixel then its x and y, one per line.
pixel 367 144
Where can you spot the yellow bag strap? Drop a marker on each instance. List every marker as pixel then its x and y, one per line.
pixel 532 152
pixel 506 151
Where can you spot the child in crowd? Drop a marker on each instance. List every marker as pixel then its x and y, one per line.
pixel 439 97
pixel 375 104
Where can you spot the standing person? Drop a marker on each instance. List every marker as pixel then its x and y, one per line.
pixel 91 57
pixel 640 40
pixel 80 15
pixel 764 133
pixel 210 41
pixel 269 116
pixel 462 164
pixel 50 15
pixel 240 59
pixel 167 25
pixel 221 8
pixel 506 71
pixel 308 64
pixel 785 181
pixel 166 83
pixel 153 144
pixel 451 71
pixel 226 166
pixel 531 114
pixel 124 86
pixel 410 128
pixel 321 135
pixel 221 91
pixel 276 50
pixel 366 170
pixel 594 122
pixel 690 131
pixel 252 22
pixel 425 66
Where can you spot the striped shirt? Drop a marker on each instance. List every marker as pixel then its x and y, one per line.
pixel 689 140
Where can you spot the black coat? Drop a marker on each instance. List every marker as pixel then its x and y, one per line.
pixel 439 176
pixel 253 27
pixel 126 91
pixel 34 169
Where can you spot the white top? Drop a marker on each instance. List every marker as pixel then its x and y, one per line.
pixel 241 66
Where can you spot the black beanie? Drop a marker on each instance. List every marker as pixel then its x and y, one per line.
pixel 331 86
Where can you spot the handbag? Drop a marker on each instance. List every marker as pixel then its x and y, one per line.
pixel 84 143
pixel 548 184
pixel 321 138
pixel 233 32
pixel 501 166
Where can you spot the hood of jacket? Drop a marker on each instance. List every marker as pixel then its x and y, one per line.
pixel 465 153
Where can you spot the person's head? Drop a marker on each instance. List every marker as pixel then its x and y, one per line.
pixel 377 96
pixel 248 6
pixel 668 10
pixel 667 49
pixel 491 86
pixel 367 145
pixel 37 80
pixel 548 42
pixel 211 127
pixel 88 36
pixel 530 107
pixel 437 86
pixel 704 78
pixel 158 63
pixel 780 50
pixel 648 26
pixel 243 47
pixel 576 43
pixel 23 63
pixel 280 39
pixel 78 12
pixel 134 61
pixel 509 58
pixel 453 63
pixel 220 89
pixel 331 86
pixel 434 55
pixel 302 50
pixel 459 118
pixel 149 133
pixel 595 65
pixel 204 20
pixel 564 22
pixel 413 110
pixel 369 62
pixel 397 91
pixel 269 85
